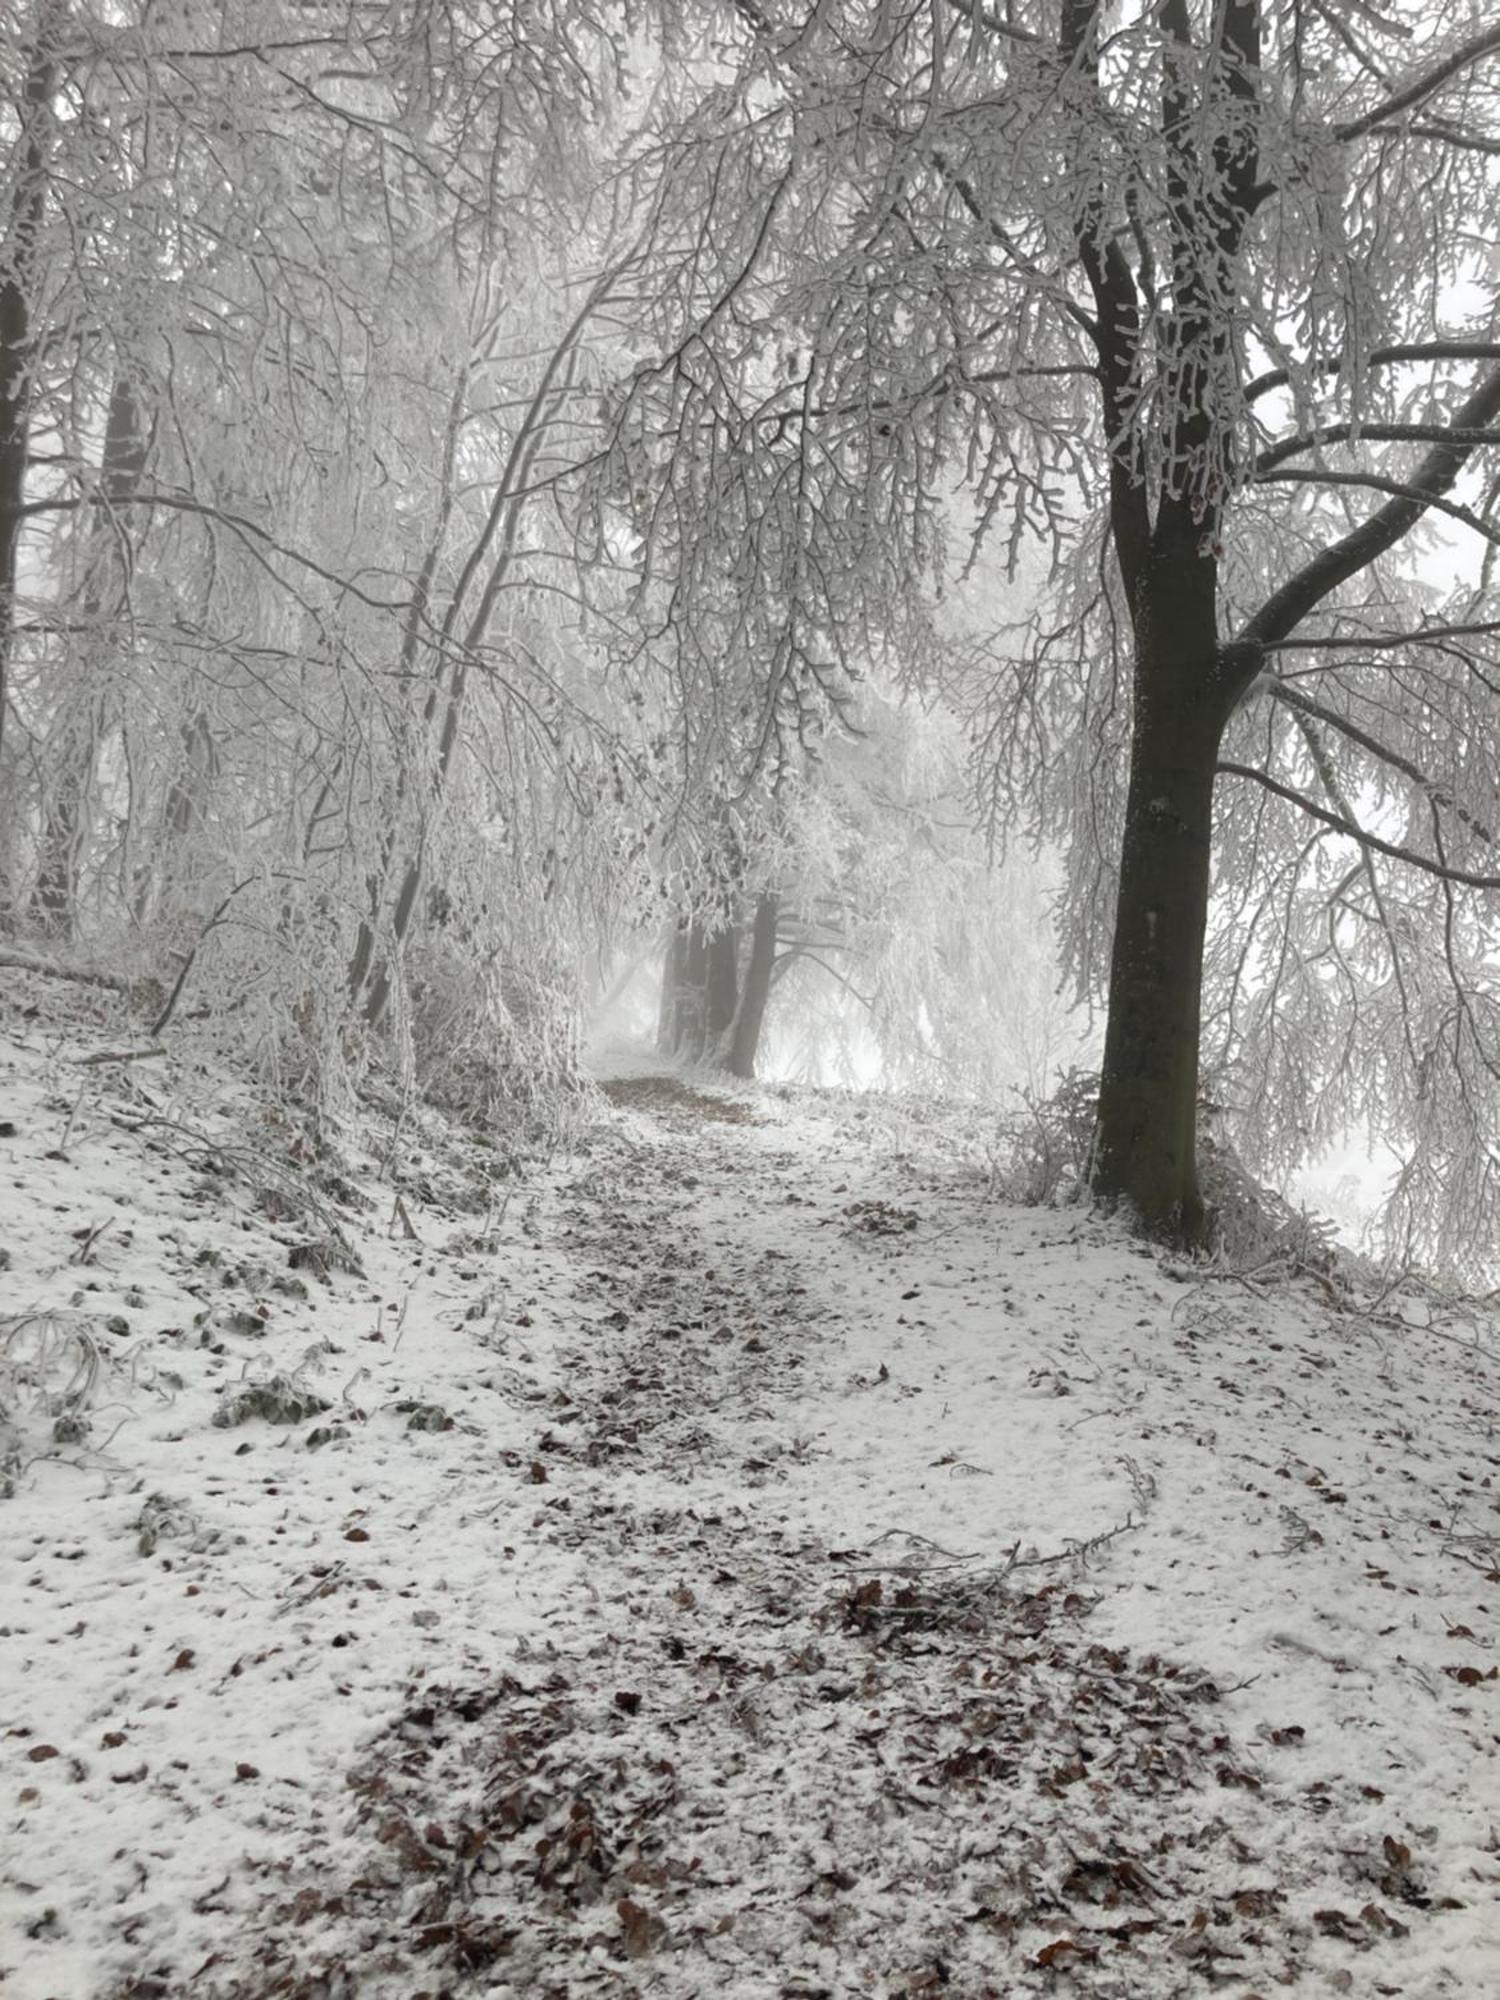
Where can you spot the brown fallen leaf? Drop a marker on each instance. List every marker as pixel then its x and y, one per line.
pixel 41 1752
pixel 643 1931
pixel 1062 1948
pixel 1471 1676
pixel 1382 1920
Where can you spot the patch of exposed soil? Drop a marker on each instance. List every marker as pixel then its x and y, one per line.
pixel 676 1103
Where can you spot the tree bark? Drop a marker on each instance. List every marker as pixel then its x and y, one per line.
pixel 1185 683
pixel 692 995
pixel 1146 1147
pixel 102 592
pixel 723 987
pixel 685 993
pixel 755 991
pixel 671 980
pixel 18 259
pixel 700 998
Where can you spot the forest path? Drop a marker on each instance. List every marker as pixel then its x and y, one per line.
pixel 867 1481
pixel 754 1561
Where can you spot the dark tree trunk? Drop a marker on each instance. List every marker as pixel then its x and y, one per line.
pixel 1185 683
pixel 102 592
pixel 64 824
pixel 723 988
pixel 18 260
pixel 671 980
pixel 187 801
pixel 749 1020
pixel 1148 1093
pixel 700 992
pixel 692 998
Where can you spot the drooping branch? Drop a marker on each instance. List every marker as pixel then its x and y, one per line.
pixel 1411 352
pixel 1377 642
pixel 258 541
pixel 1292 447
pixel 1465 56
pixel 1285 609
pixel 1328 776
pixel 1439 795
pixel 993 23
pixel 1373 841
pixel 1377 482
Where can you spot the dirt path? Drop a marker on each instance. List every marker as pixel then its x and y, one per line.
pixel 756 1758
pixel 756 1564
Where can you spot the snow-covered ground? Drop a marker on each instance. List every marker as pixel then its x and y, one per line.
pixel 744 1559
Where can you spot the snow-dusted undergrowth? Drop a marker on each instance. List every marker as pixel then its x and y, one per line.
pixel 745 1558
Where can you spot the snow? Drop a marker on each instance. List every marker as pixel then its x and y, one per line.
pixel 744 1556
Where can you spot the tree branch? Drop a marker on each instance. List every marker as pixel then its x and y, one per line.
pixel 1277 454
pixel 786 959
pixel 1463 57
pixel 1386 641
pixel 260 539
pixel 984 18
pixel 1117 337
pixel 1438 795
pixel 1378 482
pixel 1381 357
pixel 23 961
pixel 1369 840
pixel 1285 609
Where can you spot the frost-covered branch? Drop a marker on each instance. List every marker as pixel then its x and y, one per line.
pixel 1465 57
pixel 1373 841
pixel 1413 352
pixel 1372 433
pixel 1429 483
pixel 1438 794
pixel 1379 482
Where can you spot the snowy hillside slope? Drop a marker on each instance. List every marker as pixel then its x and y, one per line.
pixel 744 1558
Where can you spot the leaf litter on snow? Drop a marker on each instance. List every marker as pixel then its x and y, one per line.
pixel 807 1577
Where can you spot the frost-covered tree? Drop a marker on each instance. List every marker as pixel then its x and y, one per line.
pixel 298 326
pixel 1200 297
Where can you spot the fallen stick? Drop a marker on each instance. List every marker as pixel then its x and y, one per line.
pixel 22 961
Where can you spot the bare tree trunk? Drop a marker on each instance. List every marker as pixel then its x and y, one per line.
pixel 1148 1097
pixel 484 574
pixel 103 590
pixel 64 822
pixel 671 979
pixel 755 991
pixel 692 995
pixel 18 262
pixel 1185 681
pixel 723 988
pixel 702 996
